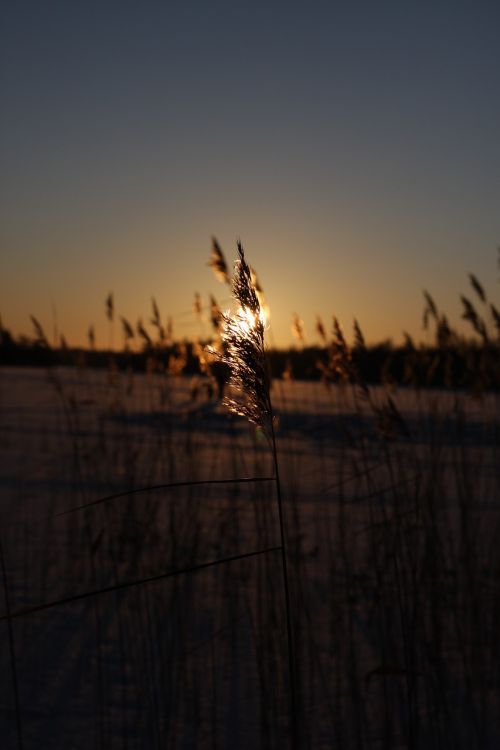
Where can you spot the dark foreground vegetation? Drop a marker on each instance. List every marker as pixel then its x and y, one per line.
pixel 144 603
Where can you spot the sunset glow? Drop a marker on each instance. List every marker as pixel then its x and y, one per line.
pixel 247 320
pixel 250 374
pixel 353 149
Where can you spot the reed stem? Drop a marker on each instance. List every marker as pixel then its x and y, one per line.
pixel 15 684
pixel 286 586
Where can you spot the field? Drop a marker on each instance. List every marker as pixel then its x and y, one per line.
pixel 250 375
pixel 158 619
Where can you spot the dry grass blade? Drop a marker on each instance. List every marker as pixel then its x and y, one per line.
pixel 169 486
pixel 9 616
pixel 139 582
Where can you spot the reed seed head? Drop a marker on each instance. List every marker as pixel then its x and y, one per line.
pixel 218 264
pixel 242 335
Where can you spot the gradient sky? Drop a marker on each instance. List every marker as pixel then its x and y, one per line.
pixel 353 147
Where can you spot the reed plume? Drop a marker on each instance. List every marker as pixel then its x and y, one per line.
pixel 297 327
pixel 41 338
pixel 128 331
pixel 430 310
pixel 359 339
pixel 197 305
pixel 91 336
pixel 242 337
pixel 320 329
pixel 218 264
pixel 471 315
pixel 496 317
pixel 478 287
pixel 215 314
pixel 244 353
pixel 169 330
pixel 144 334
pixel 110 307
pixel 155 320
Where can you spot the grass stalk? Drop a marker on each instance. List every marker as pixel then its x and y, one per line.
pixel 130 584
pixel 168 486
pixel 294 723
pixel 15 684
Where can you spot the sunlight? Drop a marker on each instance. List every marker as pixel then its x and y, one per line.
pixel 247 320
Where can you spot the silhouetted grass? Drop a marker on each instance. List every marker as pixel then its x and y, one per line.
pixel 147 595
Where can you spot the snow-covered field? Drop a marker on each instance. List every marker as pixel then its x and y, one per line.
pixel 393 542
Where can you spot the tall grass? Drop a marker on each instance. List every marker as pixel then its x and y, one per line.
pixel 177 605
pixel 244 354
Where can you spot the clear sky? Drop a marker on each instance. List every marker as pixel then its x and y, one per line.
pixel 353 147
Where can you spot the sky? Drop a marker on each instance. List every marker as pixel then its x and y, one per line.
pixel 353 148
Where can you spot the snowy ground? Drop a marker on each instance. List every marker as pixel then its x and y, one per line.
pixel 393 547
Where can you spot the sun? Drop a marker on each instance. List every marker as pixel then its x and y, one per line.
pixel 247 320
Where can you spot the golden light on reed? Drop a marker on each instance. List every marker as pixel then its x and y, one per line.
pixel 249 320
pixel 243 351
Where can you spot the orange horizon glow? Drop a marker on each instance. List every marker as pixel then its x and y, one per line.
pixel 354 150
